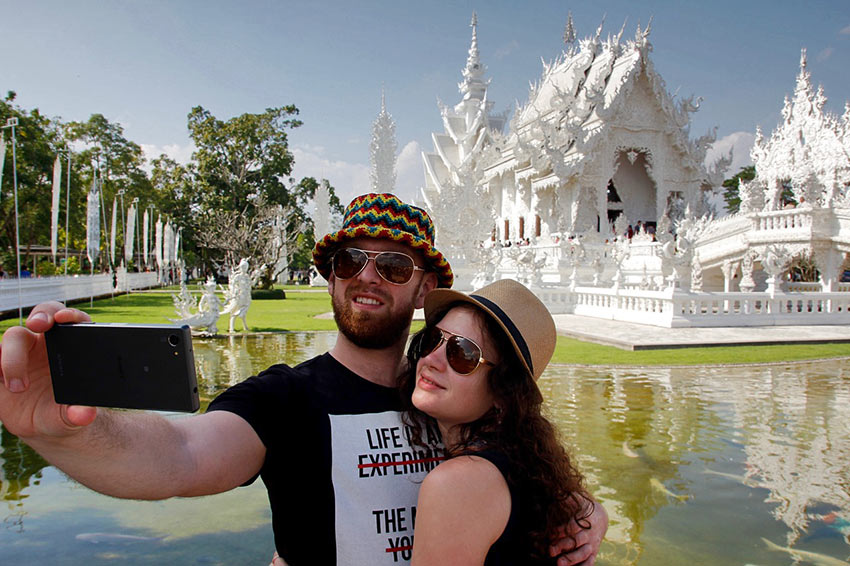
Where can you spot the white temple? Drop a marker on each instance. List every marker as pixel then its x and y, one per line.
pixel 598 197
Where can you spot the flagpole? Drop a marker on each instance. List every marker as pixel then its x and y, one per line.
pixel 12 123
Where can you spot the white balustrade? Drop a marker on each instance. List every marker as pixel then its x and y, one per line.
pixel 680 309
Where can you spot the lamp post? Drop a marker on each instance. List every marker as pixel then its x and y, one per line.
pixel 12 123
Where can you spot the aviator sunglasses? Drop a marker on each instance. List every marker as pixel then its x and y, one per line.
pixel 464 355
pixel 394 267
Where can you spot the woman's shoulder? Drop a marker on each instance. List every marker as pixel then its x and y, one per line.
pixel 468 475
pixel 463 508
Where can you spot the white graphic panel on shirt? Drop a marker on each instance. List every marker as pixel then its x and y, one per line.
pixel 376 476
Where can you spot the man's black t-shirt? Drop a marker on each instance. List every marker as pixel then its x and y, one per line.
pixel 341 474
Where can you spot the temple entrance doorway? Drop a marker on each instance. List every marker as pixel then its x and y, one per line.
pixel 635 190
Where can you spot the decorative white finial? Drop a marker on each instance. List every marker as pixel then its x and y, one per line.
pixel 569 30
pixel 472 61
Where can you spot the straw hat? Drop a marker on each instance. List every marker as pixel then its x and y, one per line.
pixel 385 216
pixel 524 318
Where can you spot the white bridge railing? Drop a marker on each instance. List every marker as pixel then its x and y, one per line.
pixel 671 309
pixel 68 288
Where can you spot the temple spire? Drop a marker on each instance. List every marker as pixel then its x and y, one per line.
pixel 473 85
pixel 382 150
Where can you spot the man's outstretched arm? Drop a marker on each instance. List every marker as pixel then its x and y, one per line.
pixel 120 453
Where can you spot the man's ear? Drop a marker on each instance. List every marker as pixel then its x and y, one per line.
pixel 428 284
pixel 331 281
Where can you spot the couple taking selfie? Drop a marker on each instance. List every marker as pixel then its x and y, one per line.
pixel 367 445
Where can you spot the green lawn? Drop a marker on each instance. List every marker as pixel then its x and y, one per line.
pixel 301 306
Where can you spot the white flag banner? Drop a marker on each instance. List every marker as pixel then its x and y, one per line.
pixel 54 217
pixel 93 223
pixel 112 236
pixel 168 244
pixel 157 249
pixel 2 158
pixel 146 224
pixel 177 243
pixel 130 234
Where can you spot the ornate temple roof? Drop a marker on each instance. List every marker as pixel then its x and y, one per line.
pixel 810 149
pixel 579 94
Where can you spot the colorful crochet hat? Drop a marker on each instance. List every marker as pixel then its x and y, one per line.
pixel 385 216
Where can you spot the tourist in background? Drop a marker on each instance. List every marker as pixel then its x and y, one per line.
pixel 508 484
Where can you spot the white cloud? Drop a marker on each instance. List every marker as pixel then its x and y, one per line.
pixel 347 179
pixel 180 153
pixel 825 54
pixel 845 31
pixel 740 143
pixel 506 50
pixel 410 175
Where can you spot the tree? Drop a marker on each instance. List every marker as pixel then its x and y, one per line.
pixel 174 195
pixel 119 161
pixel 730 195
pixel 246 157
pixel 242 181
pixel 265 238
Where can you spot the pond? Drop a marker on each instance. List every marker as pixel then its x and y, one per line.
pixel 720 465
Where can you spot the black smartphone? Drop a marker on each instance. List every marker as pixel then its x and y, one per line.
pixel 127 366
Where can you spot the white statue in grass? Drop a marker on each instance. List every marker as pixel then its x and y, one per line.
pixel 184 302
pixel 237 296
pixel 205 320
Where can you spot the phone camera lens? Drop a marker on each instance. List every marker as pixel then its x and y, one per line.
pixel 173 339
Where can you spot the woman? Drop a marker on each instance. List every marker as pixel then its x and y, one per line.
pixel 508 484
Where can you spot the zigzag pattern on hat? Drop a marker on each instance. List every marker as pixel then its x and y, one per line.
pixel 390 213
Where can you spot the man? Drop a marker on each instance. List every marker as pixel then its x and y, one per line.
pixel 325 436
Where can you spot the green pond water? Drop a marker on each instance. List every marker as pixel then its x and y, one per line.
pixel 734 465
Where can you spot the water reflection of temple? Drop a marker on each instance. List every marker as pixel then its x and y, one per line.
pixel 779 434
pixel 632 446
pixel 808 471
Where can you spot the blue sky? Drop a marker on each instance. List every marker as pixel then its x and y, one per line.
pixel 145 64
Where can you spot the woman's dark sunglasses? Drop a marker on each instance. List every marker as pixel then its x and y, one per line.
pixel 464 355
pixel 394 267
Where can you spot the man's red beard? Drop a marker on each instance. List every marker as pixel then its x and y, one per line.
pixel 371 330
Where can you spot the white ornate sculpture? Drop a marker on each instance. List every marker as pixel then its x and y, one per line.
pixel 184 302
pixel 237 296
pixel 205 320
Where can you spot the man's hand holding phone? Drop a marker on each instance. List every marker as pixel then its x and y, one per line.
pixel 27 405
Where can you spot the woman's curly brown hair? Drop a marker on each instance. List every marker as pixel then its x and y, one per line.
pixel 540 465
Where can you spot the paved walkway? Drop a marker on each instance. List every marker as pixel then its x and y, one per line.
pixel 631 336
